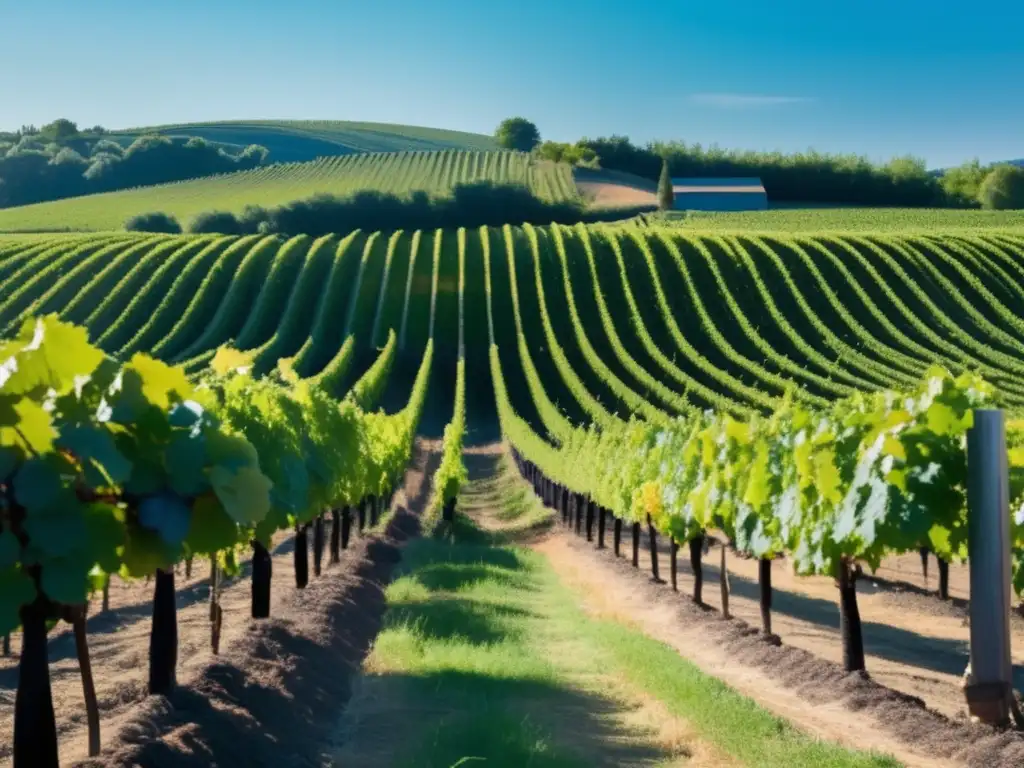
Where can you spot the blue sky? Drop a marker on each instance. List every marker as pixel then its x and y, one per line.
pixel 940 79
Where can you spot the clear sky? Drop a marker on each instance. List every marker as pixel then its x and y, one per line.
pixel 939 79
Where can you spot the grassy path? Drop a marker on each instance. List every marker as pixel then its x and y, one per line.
pixel 487 658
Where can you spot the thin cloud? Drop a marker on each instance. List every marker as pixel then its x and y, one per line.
pixel 745 100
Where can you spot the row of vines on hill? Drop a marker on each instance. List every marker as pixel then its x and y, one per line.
pixel 869 476
pixel 127 468
pixel 650 320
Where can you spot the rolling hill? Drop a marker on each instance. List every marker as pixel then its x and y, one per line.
pixel 398 173
pixel 292 141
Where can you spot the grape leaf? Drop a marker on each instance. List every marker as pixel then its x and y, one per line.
pixel 48 354
pixel 59 529
pixel 230 451
pixel 185 461
pixel 161 384
pixel 66 580
pixel 37 483
pixel 29 431
pixel 212 529
pixel 94 447
pixel 10 549
pixel 229 359
pixel 144 552
pixel 106 534
pixel 245 493
pixel 16 590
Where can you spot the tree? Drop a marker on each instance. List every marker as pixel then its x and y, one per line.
pixel 153 222
pixel 666 197
pixel 1003 189
pixel 963 183
pixel 517 133
pixel 59 131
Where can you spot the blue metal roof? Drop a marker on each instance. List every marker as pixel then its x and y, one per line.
pixel 726 182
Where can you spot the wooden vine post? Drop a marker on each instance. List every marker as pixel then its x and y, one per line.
pixel 163 639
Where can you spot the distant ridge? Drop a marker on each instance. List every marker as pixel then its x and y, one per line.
pixel 301 140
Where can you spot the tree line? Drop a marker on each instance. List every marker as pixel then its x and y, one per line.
pixel 58 161
pixel 801 177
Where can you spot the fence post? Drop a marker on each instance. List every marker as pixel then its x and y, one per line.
pixel 988 526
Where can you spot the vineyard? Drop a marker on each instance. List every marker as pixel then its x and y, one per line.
pixel 301 140
pixel 398 173
pixel 921 220
pixel 794 392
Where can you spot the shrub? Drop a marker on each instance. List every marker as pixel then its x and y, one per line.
pixel 215 222
pixel 1003 189
pixel 153 222
pixel 469 205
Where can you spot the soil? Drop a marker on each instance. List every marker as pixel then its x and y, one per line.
pixel 613 189
pixel 262 700
pixel 915 644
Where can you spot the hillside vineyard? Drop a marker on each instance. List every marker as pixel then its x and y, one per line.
pixel 805 394
pixel 608 320
pixel 398 173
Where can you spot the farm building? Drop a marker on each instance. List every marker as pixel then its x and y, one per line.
pixel 719 195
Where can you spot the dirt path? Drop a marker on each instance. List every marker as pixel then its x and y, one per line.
pixel 119 642
pixel 613 189
pixel 800 681
pixel 915 643
pixel 588 711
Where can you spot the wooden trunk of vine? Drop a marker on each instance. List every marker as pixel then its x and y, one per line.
pixel 216 613
pixel 652 537
pixel 335 545
pixel 636 545
pixel 262 572
pixel 849 620
pixel 589 506
pixel 764 582
pixel 318 544
pixel 723 583
pixel 301 556
pixel 696 551
pixel 601 515
pixel 346 526
pixel 674 564
pixel 617 536
pixel 35 727
pixel 163 638
pixel 943 579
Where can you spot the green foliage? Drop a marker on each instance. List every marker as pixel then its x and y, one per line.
pixel 865 477
pixel 451 473
pixel 666 195
pixel 517 133
pixel 573 154
pixel 104 465
pixel 962 184
pixel 366 392
pixel 1003 189
pixel 396 175
pixel 153 222
pixel 60 131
